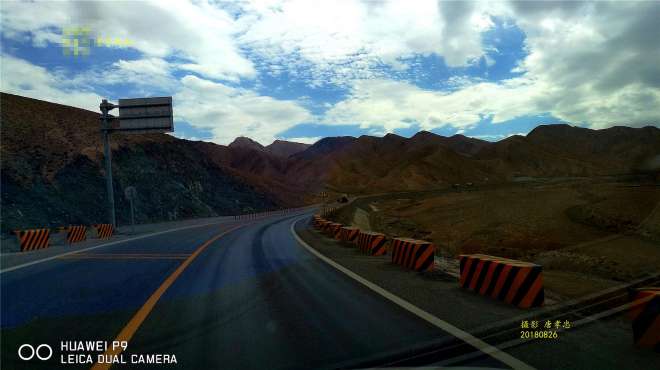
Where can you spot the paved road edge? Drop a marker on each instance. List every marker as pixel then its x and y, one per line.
pixel 50 258
pixel 486 348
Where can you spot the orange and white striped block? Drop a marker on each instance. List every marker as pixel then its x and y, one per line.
pixel 75 233
pixel 515 282
pixel 317 222
pixel 323 224
pixel 333 228
pixel 348 234
pixel 371 243
pixel 645 315
pixel 413 254
pixel 33 239
pixel 103 231
pixel 328 212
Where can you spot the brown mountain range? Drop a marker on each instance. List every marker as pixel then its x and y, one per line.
pixel 278 148
pixel 52 165
pixel 285 149
pixel 52 171
pixel 372 164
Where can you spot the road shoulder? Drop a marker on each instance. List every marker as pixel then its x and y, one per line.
pixel 457 332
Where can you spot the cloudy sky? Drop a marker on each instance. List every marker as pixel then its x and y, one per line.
pixel 301 70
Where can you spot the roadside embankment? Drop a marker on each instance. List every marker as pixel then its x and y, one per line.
pixel 587 233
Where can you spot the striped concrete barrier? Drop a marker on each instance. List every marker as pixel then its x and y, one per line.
pixel 478 260
pixel 103 231
pixel 348 234
pixel 333 228
pixel 646 317
pixel 323 224
pixel 328 212
pixel 515 282
pixel 412 253
pixel 260 215
pixel 33 239
pixel 75 233
pixel 316 221
pixel 371 243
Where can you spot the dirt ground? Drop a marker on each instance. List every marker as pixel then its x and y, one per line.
pixel 586 234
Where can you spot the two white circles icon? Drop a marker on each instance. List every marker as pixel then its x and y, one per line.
pixel 27 352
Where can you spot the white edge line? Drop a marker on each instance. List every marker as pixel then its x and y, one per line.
pixel 31 263
pixel 484 347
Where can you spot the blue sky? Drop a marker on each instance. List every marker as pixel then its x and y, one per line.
pixel 301 71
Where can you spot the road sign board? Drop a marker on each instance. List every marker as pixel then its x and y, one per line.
pixel 130 193
pixel 146 115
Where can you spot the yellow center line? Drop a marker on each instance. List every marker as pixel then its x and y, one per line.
pixel 131 254
pixel 132 326
pixel 135 254
pixel 108 257
pixel 126 256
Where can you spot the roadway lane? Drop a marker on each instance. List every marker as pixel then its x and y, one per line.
pixel 262 301
pixel 253 299
pixel 88 298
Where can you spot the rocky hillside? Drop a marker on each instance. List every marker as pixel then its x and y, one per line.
pixel 52 171
pixel 391 163
pixel 285 149
pixel 279 148
pixel 52 166
pixel 563 150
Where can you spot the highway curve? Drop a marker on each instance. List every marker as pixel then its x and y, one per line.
pixel 253 298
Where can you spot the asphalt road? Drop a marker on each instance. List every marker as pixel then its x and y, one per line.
pixel 251 298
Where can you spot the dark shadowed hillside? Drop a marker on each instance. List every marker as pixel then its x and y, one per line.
pixel 52 171
pixel 285 149
pixel 426 160
pixel 246 143
pixel 563 150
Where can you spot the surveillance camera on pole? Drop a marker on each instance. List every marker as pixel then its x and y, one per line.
pixel 136 116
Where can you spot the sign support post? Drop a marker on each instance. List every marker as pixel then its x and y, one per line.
pixel 107 153
pixel 139 115
pixel 131 194
pixel 132 217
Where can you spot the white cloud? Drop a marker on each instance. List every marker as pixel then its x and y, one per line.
pixel 151 66
pixel 230 112
pixel 144 77
pixel 398 104
pixel 592 63
pixel 226 111
pixel 303 139
pixel 588 62
pixel 149 74
pixel 497 137
pixel 598 61
pixel 337 42
pixel 199 33
pixel 23 78
pixel 183 136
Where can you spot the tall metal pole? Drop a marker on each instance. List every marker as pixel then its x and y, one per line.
pixel 132 218
pixel 107 153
